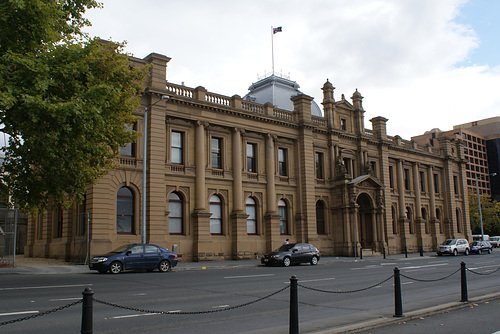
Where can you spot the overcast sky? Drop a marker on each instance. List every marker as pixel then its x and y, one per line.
pixel 422 64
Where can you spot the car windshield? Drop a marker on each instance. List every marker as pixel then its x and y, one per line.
pixel 285 248
pixel 120 249
pixel 475 243
pixel 449 242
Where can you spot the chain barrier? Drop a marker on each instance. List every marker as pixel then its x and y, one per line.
pixel 40 314
pixel 192 312
pixel 430 280
pixel 350 291
pixel 484 274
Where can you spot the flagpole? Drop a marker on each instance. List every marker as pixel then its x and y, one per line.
pixel 272 48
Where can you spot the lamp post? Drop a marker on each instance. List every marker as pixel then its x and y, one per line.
pixel 144 168
pixel 479 204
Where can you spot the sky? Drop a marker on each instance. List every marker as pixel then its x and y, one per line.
pixel 421 64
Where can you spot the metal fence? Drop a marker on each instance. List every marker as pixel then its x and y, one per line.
pixel 12 235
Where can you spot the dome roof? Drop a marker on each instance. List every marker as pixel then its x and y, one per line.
pixel 277 91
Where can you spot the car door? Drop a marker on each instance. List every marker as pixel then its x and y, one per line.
pixel 134 258
pixel 299 253
pixel 152 256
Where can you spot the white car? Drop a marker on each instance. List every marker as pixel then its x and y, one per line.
pixel 454 247
pixel 494 241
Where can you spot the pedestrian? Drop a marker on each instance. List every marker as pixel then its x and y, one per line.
pixel 286 242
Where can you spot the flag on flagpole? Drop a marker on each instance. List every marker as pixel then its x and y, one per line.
pixel 277 29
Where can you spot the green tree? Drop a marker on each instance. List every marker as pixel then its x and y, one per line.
pixel 65 101
pixel 490 212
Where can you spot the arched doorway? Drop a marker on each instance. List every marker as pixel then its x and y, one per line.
pixel 366 218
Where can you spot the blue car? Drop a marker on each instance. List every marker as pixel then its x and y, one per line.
pixel 135 257
pixel 479 247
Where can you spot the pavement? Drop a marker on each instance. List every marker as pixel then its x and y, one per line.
pixel 40 266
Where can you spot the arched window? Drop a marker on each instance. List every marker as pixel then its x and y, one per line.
pixel 459 221
pixel 175 217
pixel 216 217
pixel 394 221
pixel 283 212
pixel 320 217
pixel 426 220
pixel 410 220
pixel 125 211
pixel 251 210
pixel 438 217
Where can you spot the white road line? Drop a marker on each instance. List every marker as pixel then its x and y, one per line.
pixel 139 294
pixel 45 287
pixel 314 280
pixel 247 276
pixel 425 266
pixel 18 313
pixel 388 264
pixel 134 315
pixel 64 299
pixel 220 306
pixel 406 283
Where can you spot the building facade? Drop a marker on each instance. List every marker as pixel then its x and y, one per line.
pixel 232 178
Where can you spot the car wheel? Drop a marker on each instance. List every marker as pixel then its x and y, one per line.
pixel 164 266
pixel 314 260
pixel 466 251
pixel 455 252
pixel 286 261
pixel 116 267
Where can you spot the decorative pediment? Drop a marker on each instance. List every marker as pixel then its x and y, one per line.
pixel 366 181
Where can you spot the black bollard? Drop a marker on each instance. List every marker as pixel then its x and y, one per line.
pixel 398 301
pixel 87 311
pixel 361 253
pixel 383 252
pixel 294 306
pixel 406 251
pixel 421 251
pixel 463 280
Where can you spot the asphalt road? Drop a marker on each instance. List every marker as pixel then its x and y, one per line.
pixel 349 293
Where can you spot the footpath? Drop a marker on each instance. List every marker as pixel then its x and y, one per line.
pixel 42 266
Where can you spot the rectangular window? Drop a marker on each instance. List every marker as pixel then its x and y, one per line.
pixel 422 181
pixel 176 147
pixel 319 165
pixel 436 183
pixel 343 124
pixel 455 184
pixel 59 224
pixel 216 153
pixel 406 176
pixel 129 149
pixel 282 162
pixel 251 162
pixel 391 177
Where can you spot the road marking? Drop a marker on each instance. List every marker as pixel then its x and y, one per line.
pixel 314 280
pixel 388 264
pixel 406 283
pixel 139 294
pixel 425 266
pixel 46 287
pixel 134 315
pixel 247 276
pixel 18 313
pixel 220 306
pixel 64 299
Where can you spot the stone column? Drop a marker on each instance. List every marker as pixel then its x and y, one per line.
pixel 419 228
pixel 200 166
pixel 403 226
pixel 433 222
pixel 272 219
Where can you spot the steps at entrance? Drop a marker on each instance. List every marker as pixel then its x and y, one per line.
pixel 369 252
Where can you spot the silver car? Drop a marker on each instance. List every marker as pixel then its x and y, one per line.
pixel 454 247
pixel 494 241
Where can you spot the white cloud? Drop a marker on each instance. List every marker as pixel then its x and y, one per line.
pixel 399 54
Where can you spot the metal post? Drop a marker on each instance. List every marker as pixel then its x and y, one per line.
pixel 406 251
pixel 87 311
pixel 398 301
pixel 421 251
pixel 15 237
pixel 383 251
pixel 463 280
pixel 294 306
pixel 361 253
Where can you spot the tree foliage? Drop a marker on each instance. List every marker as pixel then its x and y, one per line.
pixel 490 212
pixel 65 101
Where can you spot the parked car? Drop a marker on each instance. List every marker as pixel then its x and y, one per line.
pixel 494 241
pixel 454 247
pixel 480 247
pixel 292 254
pixel 135 257
pixel 480 237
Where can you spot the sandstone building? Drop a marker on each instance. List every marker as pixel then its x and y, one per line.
pixel 232 177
